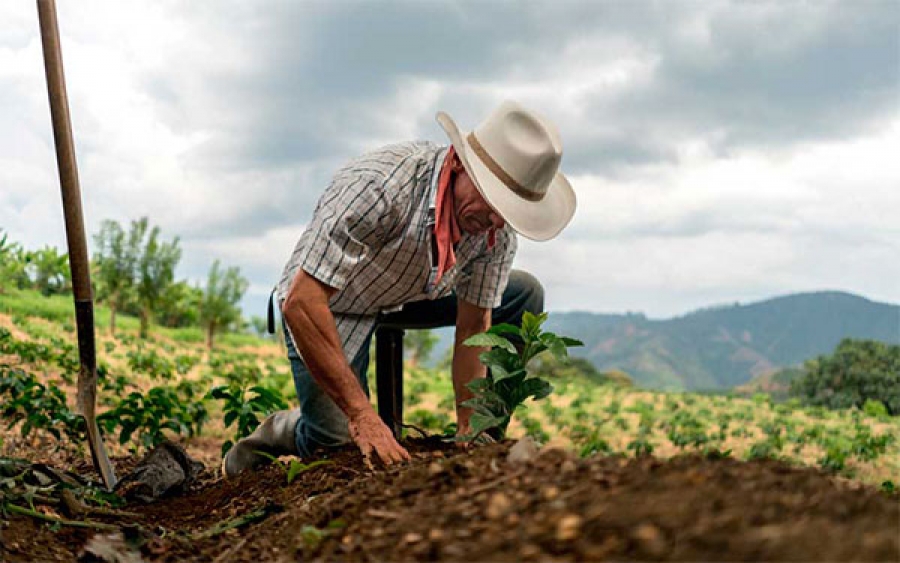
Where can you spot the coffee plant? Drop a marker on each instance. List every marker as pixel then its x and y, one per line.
pixel 243 403
pixel 36 406
pixel 507 384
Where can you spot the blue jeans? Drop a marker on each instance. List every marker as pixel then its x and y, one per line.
pixel 323 424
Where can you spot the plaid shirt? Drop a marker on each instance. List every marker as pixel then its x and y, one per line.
pixel 371 238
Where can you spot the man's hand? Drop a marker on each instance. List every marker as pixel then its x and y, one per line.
pixel 370 433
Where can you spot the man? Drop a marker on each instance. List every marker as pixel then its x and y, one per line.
pixel 411 236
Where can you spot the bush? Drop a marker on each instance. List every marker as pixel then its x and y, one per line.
pixel 857 371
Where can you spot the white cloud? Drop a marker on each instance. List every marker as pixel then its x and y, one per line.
pixel 721 151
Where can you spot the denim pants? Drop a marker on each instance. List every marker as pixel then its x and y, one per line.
pixel 322 424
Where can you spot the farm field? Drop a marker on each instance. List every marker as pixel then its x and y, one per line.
pixel 620 473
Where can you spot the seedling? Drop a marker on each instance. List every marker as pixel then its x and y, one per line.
pixel 507 384
pixel 294 467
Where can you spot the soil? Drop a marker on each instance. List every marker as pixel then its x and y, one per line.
pixel 476 505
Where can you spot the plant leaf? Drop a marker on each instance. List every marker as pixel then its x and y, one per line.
pixel 492 340
pixel 504 328
pixel 479 422
pixel 501 375
pixel 297 467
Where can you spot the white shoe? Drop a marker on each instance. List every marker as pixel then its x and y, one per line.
pixel 274 436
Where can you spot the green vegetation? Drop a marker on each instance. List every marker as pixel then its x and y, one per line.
pixel 219 304
pixel 859 372
pixel 133 273
pixel 508 384
pixel 171 385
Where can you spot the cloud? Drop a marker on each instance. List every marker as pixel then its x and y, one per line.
pixel 721 150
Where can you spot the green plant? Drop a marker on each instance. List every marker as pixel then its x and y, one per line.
pixel 294 467
pixel 148 362
pixel 507 384
pixel 429 420
pixel 37 406
pixel 243 403
pixel 149 414
pixel 685 429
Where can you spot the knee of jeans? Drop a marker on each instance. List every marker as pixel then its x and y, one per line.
pixel 531 289
pixel 312 436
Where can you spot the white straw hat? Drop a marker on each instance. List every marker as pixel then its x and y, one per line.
pixel 513 159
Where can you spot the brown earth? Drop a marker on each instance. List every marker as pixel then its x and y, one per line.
pixel 477 506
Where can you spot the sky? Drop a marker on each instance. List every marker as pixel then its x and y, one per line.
pixel 720 151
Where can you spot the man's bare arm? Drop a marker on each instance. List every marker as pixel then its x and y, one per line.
pixel 470 320
pixel 310 320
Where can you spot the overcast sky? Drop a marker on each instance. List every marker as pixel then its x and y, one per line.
pixel 720 151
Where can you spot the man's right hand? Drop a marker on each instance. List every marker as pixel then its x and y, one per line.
pixel 370 433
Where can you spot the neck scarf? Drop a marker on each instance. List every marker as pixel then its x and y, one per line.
pixel 446 229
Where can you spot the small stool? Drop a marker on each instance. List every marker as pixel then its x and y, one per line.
pixel 389 377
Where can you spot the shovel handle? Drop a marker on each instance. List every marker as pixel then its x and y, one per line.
pixel 78 257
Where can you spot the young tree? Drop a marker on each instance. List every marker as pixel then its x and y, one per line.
pixel 13 263
pixel 219 308
pixel 180 305
pixel 155 273
pixel 115 265
pixel 49 271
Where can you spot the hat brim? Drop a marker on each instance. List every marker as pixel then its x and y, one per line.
pixel 537 220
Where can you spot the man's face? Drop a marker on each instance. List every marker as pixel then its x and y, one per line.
pixel 473 214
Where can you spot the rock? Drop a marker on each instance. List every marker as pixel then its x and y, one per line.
pixel 529 551
pixel 649 540
pixel 412 537
pixel 435 535
pixel 110 548
pixel 550 493
pixel 166 469
pixel 435 468
pixel 498 506
pixel 568 527
pixel 523 451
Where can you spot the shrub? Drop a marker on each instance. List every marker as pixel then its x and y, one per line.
pixel 857 371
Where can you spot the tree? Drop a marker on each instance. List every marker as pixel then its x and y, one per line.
pixel 180 305
pixel 13 263
pixel 155 273
pixel 419 344
pixel 857 371
pixel 219 307
pixel 49 271
pixel 115 265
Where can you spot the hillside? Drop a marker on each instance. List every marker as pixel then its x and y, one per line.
pixel 723 347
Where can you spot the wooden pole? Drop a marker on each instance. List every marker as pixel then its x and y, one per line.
pixel 78 257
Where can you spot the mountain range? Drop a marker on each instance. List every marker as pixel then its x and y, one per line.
pixel 723 346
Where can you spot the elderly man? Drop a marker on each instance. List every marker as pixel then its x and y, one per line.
pixel 412 235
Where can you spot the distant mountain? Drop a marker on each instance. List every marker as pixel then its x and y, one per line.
pixel 726 346
pixel 721 347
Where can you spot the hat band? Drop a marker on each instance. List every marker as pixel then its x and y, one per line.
pixel 500 173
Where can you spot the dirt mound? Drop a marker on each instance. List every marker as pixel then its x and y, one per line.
pixel 476 506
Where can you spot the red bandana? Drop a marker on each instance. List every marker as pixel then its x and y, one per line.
pixel 446 230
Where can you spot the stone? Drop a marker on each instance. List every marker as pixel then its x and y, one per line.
pixel 523 451
pixel 568 527
pixel 498 506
